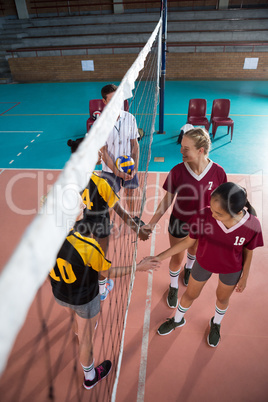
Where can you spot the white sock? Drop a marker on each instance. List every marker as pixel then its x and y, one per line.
pixel 219 314
pixel 102 283
pixel 190 261
pixel 89 372
pixel 180 313
pixel 174 277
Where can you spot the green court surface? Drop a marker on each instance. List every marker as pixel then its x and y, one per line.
pixel 38 119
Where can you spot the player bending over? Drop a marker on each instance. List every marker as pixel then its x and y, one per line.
pixel 74 281
pixel 99 197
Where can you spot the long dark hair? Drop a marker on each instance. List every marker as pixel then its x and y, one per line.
pixel 233 198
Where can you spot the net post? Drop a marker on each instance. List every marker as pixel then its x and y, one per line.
pixel 163 67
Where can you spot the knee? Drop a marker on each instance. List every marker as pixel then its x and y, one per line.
pixel 223 299
pixel 190 295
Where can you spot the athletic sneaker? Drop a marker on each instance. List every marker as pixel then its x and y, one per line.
pixel 101 372
pixel 214 334
pixel 187 272
pixel 170 325
pixel 108 287
pixel 172 299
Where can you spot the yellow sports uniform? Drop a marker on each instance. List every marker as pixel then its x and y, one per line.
pixel 74 278
pixel 98 197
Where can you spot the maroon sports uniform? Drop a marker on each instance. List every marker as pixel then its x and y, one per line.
pixel 192 191
pixel 220 250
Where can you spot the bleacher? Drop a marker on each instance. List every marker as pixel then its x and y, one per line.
pixel 188 31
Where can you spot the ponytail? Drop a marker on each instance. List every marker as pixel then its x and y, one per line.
pixel 250 208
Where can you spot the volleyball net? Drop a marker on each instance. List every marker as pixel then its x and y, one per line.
pixel 46 364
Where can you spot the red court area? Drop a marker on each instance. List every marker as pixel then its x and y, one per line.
pixel 177 367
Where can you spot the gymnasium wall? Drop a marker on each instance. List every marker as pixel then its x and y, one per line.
pixel 7 8
pixel 112 67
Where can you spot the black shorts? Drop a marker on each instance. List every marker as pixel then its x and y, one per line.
pixel 201 275
pixel 178 228
pixel 100 228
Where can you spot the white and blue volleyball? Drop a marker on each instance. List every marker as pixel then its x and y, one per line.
pixel 125 164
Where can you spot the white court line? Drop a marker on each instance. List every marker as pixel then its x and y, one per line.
pixel 147 314
pixel 38 135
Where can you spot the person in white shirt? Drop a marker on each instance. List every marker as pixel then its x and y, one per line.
pixel 123 140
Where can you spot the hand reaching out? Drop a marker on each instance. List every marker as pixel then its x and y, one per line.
pixel 148 263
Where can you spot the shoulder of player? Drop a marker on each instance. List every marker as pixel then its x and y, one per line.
pixel 88 248
pixel 104 190
pixel 254 223
pixel 87 240
pixel 126 115
pixel 177 168
pixel 99 181
pixel 176 171
pixel 217 167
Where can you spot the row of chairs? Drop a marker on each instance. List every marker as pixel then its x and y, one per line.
pixel 196 113
pixel 219 115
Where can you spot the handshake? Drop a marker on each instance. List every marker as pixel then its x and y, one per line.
pixel 145 232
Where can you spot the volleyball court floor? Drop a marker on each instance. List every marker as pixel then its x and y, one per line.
pixel 36 122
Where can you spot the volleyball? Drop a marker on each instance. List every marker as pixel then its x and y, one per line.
pixel 125 164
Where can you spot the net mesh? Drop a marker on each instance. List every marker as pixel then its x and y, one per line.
pixel 46 364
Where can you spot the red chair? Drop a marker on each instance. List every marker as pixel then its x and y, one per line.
pixel 97 105
pixel 197 113
pixel 220 116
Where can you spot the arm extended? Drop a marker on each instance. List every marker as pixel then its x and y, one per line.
pixel 161 209
pixel 129 221
pixel 144 265
pixel 177 248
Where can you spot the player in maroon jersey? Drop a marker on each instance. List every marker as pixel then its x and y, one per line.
pixel 191 184
pixel 227 234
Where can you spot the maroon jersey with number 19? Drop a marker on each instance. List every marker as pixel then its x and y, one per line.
pixel 220 250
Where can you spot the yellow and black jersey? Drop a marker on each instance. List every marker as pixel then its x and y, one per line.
pixel 98 197
pixel 74 278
